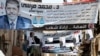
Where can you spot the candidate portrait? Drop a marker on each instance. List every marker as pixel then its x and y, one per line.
pixel 12 19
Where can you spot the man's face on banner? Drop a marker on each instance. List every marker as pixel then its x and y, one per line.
pixel 12 10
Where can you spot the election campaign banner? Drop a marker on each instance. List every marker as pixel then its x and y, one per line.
pixel 56 42
pixel 64 41
pixel 23 15
pixel 46 14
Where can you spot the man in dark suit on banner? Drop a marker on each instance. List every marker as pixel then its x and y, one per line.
pixel 12 20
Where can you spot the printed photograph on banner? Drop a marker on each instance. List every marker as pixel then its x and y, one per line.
pixel 91 26
pixel 67 41
pixel 11 18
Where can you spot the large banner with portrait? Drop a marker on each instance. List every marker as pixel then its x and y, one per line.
pixel 24 15
pixel 61 16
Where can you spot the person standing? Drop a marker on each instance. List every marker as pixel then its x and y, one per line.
pixel 30 41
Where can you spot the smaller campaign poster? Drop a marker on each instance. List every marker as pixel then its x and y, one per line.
pixel 65 41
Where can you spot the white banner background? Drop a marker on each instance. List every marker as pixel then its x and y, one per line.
pixel 62 14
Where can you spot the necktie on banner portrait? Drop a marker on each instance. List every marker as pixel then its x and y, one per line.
pixel 12 25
